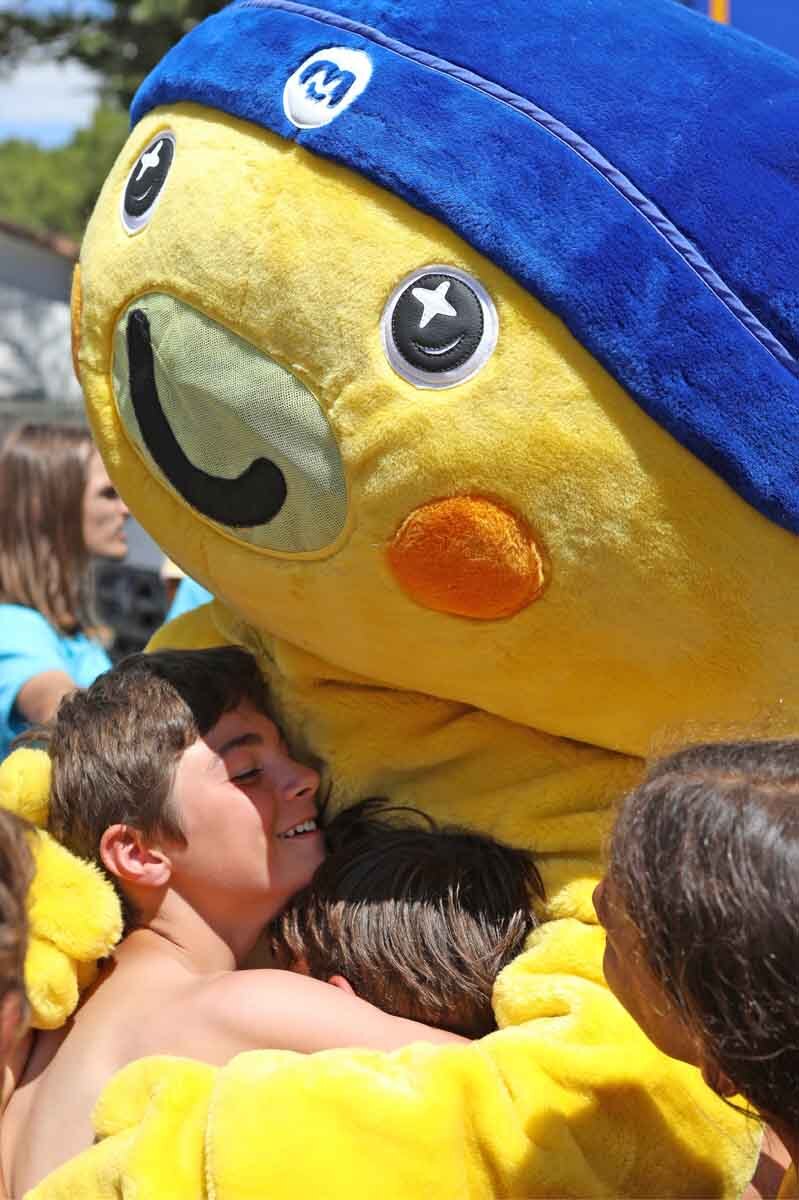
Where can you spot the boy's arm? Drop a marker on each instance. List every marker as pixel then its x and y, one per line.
pixel 279 1010
pixel 39 697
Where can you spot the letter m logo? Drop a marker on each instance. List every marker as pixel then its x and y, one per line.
pixel 324 80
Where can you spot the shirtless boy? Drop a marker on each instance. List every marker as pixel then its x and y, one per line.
pixel 169 771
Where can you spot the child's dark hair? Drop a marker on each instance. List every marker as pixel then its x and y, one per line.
pixel 16 873
pixel 418 919
pixel 705 860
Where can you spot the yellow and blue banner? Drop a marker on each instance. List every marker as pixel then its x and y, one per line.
pixel 775 22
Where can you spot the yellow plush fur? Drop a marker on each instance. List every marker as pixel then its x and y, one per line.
pixel 666 608
pixel 74 914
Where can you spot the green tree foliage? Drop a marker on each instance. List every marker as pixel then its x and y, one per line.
pixel 119 39
pixel 53 191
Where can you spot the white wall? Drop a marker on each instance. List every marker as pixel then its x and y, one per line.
pixel 35 360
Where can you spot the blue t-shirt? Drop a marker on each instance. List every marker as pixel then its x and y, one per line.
pixel 29 645
pixel 189 595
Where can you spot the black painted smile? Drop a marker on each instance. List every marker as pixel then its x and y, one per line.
pixel 140 197
pixel 252 498
pixel 436 350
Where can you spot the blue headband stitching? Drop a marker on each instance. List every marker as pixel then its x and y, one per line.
pixel 626 188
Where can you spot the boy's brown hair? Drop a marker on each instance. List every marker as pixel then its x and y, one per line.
pixel 418 918
pixel 16 872
pixel 115 747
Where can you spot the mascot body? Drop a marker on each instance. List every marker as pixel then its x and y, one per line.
pixel 453 347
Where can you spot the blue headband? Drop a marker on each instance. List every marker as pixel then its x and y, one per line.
pixel 633 166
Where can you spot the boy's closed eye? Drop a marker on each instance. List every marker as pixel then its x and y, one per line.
pixel 244 775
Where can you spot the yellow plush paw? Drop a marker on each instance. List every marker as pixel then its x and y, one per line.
pixel 74 913
pixel 25 785
pixel 71 903
pixel 51 984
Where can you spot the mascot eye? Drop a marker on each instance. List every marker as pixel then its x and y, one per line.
pixel 439 327
pixel 146 182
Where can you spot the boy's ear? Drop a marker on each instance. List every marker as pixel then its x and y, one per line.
pixel 126 854
pixel 340 982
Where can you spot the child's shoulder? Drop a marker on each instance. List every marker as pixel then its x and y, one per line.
pixel 261 1005
pixel 271 1009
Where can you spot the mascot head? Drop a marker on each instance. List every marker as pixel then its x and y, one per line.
pixel 457 344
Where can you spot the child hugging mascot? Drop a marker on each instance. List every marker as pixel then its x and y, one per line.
pixel 453 347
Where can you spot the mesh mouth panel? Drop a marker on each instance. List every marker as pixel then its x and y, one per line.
pixel 228 404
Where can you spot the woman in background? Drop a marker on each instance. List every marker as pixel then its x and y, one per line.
pixel 58 508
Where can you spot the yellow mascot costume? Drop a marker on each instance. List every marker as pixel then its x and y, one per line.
pixel 453 347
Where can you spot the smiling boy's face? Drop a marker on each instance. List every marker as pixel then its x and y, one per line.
pixel 630 979
pixel 249 815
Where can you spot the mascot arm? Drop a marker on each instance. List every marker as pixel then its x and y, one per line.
pixel 567 1099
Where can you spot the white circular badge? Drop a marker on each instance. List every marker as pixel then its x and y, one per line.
pixel 324 85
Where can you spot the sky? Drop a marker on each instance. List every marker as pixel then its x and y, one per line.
pixel 46 102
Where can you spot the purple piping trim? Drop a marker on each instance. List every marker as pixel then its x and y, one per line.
pixel 625 187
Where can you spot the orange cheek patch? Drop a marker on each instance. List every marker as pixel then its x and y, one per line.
pixel 76 309
pixel 468 556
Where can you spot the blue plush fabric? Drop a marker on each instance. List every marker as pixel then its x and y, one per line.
pixel 633 165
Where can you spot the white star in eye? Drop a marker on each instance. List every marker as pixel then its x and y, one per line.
pixel 434 302
pixel 150 158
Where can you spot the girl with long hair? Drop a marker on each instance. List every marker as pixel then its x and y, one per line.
pixel 58 509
